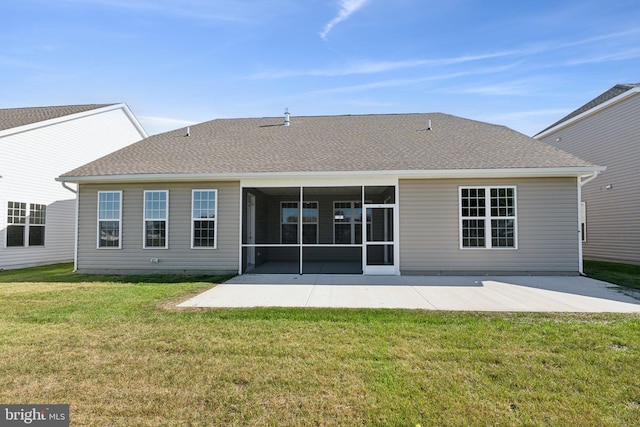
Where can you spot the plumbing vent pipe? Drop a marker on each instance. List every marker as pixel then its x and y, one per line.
pixel 286 116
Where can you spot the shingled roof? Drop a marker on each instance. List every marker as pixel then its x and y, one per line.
pixel 600 99
pixel 15 117
pixel 387 142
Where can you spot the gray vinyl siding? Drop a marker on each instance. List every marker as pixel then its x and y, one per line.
pixel 610 137
pixel 179 257
pixel 547 211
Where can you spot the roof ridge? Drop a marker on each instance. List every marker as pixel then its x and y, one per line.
pixel 605 96
pixel 62 106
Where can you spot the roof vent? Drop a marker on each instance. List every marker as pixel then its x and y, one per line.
pixel 188 131
pixel 429 127
pixel 286 116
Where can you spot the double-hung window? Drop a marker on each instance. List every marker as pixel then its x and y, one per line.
pixel 488 217
pixel 37 221
pixel 16 223
pixel 109 219
pixel 25 228
pixel 289 220
pixel 204 208
pixel 347 222
pixel 156 219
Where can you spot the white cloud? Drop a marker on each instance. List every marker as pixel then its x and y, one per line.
pixel 372 67
pixel 408 81
pixel 347 8
pixel 514 88
pixel 228 10
pixel 607 57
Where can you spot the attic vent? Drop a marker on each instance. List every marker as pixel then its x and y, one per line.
pixel 286 116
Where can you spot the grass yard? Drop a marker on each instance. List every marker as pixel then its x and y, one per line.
pixel 621 274
pixel 120 355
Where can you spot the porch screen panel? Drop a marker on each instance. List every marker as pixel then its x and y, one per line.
pixel 289 222
pixel 310 222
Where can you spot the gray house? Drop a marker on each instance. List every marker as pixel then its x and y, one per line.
pixel 606 131
pixel 370 194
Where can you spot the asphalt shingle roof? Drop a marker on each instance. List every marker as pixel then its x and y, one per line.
pixel 331 143
pixel 600 99
pixel 15 117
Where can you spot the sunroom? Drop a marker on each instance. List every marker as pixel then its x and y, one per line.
pixel 317 229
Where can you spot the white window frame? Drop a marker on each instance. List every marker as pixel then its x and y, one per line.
pixel 487 218
pixel 301 221
pixel 145 220
pixel 353 223
pixel 583 221
pixel 215 218
pixel 118 220
pixel 31 224
pixel 11 218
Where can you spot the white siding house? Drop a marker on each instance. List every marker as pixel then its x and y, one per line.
pixel 37 215
pixel 606 131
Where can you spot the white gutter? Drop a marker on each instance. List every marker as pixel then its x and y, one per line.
pixel 581 183
pixel 75 242
pixel 399 174
pixel 64 184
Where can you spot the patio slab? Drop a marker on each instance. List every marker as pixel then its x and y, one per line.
pixel 462 293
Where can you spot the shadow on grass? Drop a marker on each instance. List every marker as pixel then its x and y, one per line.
pixel 63 273
pixel 620 274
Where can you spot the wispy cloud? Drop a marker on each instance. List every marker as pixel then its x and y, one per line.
pixel 373 67
pixel 407 81
pixel 606 57
pixel 347 8
pixel 190 9
pixel 514 88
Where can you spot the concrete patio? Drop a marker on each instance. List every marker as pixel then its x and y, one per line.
pixel 464 293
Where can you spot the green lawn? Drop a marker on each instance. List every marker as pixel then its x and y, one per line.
pixel 620 274
pixel 118 352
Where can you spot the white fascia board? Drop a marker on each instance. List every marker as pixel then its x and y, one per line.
pixel 589 112
pixel 342 175
pixel 69 117
pixel 134 120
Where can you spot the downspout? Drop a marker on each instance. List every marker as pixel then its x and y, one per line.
pixel 581 183
pixel 75 242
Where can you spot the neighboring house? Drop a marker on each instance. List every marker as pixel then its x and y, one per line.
pixel 372 194
pixel 37 215
pixel 606 131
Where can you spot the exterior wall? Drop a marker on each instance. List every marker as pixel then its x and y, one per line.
pixel 610 138
pixel 31 161
pixel 547 228
pixel 179 257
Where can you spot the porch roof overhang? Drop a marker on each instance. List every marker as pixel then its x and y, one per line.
pixel 333 175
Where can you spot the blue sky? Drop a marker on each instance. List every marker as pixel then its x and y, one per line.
pixel 520 63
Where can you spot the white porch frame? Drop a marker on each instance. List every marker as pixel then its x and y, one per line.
pixel 328 182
